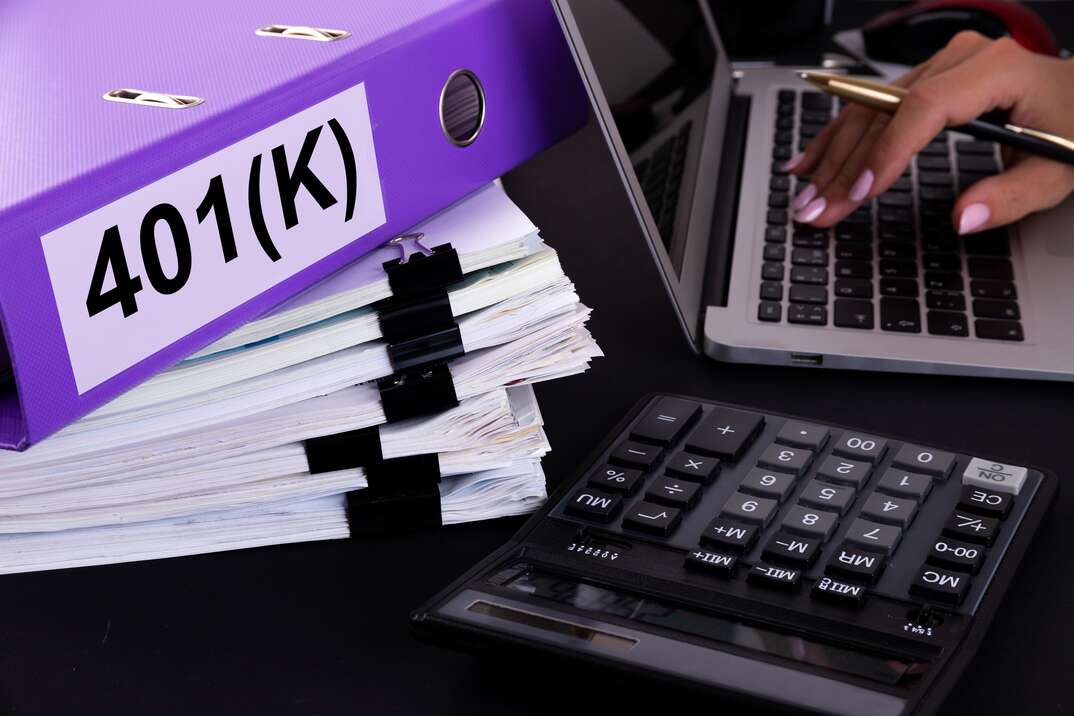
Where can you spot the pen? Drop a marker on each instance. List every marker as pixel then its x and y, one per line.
pixel 886 98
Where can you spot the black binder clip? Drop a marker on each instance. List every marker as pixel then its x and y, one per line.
pixel 417 320
pixel 417 391
pixel 403 494
pixel 344 451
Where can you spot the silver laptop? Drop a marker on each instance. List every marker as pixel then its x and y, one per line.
pixel 700 149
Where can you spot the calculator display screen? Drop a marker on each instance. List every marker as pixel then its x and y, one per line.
pixel 686 620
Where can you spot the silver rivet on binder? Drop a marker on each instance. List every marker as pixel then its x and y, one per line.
pixel 462 108
pixel 152 99
pixel 302 32
pixel 410 244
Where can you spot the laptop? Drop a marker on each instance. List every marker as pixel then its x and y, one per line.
pixel 700 146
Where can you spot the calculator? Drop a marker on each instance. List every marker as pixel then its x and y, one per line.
pixel 772 558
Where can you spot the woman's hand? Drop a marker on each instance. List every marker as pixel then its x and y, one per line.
pixel 862 152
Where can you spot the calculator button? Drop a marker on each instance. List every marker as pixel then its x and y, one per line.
pixel 884 508
pixel 872 535
pixel 769 575
pixel 855 562
pixel 994 476
pixel 652 518
pixel 786 459
pixel 674 492
pixel 635 454
pixel 808 521
pixel 665 421
pixel 767 483
pixel 971 527
pixel 616 479
pixel 941 585
pixel 785 547
pixel 956 555
pixel 861 447
pixel 828 497
pixel 828 588
pixel 594 504
pixel 729 535
pixel 749 508
pixel 925 460
pixel 717 562
pixel 847 472
pixel 689 466
pixel 904 484
pixel 725 432
pixel 985 502
pixel 804 435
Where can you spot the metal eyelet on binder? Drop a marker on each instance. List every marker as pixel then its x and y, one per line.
pixel 302 32
pixel 462 108
pixel 152 99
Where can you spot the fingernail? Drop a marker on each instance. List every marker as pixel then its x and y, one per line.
pixel 862 185
pixel 793 161
pixel 804 197
pixel 811 211
pixel 973 217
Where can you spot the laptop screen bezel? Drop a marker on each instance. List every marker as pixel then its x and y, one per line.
pixel 685 286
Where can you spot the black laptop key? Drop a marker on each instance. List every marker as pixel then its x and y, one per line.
pixel 998 330
pixel 805 293
pixel 809 274
pixel 983 288
pixel 941 585
pixel 786 547
pixel 666 420
pixel 775 252
pixel 982 164
pixel 725 432
pixel 895 199
pixel 956 555
pixel 810 130
pixel 933 178
pixel 779 183
pixel 988 243
pixel 712 562
pixel 786 96
pixel 594 504
pixel 935 193
pixel 933 163
pixel 785 138
pixel 773 576
pixel 941 262
pixel 968 179
pixel 947 323
pixel 894 232
pixel 816 100
pixel 898 268
pixel 854 288
pixel 771 291
pixel 770 311
pixel 635 454
pixel 853 232
pixel 935 148
pixel 906 287
pixel 896 250
pixel 775 234
pixel 613 478
pixel 939 242
pixel 857 563
pixel 943 281
pixel 785 123
pixel 853 269
pixel 896 216
pixel 900 314
pixel 782 152
pixel 995 308
pixel 650 517
pixel 971 527
pixel 808 314
pixel 968 146
pixel 772 271
pixel 803 240
pixel 902 184
pixel 779 200
pixel 945 300
pixel 728 534
pixel 778 217
pixel 854 251
pixel 854 313
pixel 809 257
pixel 690 466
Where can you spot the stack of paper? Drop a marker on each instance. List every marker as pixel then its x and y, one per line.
pixel 213 454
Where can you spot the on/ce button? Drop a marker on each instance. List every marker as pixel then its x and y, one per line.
pixel 994 476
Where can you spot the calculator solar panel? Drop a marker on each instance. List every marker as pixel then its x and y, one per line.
pixel 724 547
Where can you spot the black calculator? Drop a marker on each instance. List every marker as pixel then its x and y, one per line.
pixel 770 557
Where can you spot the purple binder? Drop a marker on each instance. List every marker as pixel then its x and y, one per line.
pixel 172 170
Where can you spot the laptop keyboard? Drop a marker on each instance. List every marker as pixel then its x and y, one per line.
pixel 660 177
pixel 896 263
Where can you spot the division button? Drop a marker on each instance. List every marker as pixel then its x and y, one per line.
pixel 847 472
pixel 985 502
pixel 785 547
pixel 594 504
pixel 665 420
pixel 828 588
pixel 956 555
pixel 751 509
pixel 941 585
pixel 856 563
pixel 616 479
pixel 874 536
pixel 787 459
pixel 884 508
pixel 635 454
pixel 995 476
pixel 803 435
pixel 725 432
pixel 971 527
pixel 925 460
pixel 691 466
pixel 717 562
pixel 783 577
pixel 729 534
pixel 653 518
pixel 861 447
pixel 674 492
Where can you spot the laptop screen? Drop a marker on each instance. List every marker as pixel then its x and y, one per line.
pixel 654 62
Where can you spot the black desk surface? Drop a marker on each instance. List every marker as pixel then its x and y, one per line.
pixel 322 628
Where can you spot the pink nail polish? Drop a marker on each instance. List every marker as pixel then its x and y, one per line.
pixel 973 217
pixel 804 197
pixel 862 185
pixel 793 161
pixel 811 211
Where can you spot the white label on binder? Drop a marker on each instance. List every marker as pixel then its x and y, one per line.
pixel 138 274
